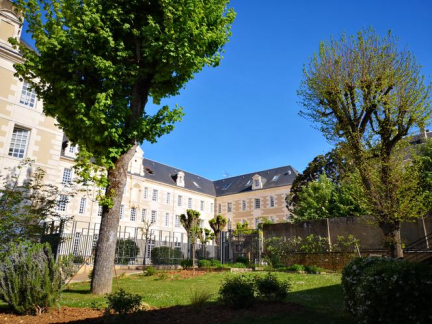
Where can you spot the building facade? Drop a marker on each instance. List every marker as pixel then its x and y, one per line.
pixel 154 191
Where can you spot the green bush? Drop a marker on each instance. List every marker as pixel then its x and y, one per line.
pixel 122 302
pixel 313 269
pixel 150 271
pixel 216 263
pixel 237 292
pixel 241 259
pixel 30 279
pixel 186 263
pixel 296 267
pixel 383 290
pixel 234 265
pixel 166 255
pixel 126 251
pixel 271 288
pixel 204 264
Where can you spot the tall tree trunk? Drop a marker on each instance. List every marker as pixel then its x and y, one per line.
pixel 193 258
pixel 106 246
pixel 392 238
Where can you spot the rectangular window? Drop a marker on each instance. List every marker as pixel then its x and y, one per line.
pixel 155 195
pixel 179 200
pixel 256 183
pixel 145 193
pixel 229 207
pixel 177 220
pixel 100 209
pixel 202 205
pixel 133 214
pixel 190 203
pixel 62 203
pixel 82 205
pixel 257 203
pixel 243 204
pixel 219 208
pixel 168 198
pixel 211 208
pixel 121 211
pixel 257 221
pixel 153 216
pixel 28 96
pixel 18 143
pixel 272 202
pixel 167 219
pixel 67 175
pixel 143 215
pixel 72 149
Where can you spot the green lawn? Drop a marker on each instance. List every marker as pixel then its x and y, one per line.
pixel 321 295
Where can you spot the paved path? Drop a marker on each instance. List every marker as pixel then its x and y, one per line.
pixel 85 277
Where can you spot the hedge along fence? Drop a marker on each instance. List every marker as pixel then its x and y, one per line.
pixel 384 290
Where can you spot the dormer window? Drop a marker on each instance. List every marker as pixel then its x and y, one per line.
pixel 180 179
pixel 257 182
pixel 276 177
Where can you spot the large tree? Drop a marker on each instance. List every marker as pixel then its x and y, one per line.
pixel 96 65
pixel 191 223
pixel 367 93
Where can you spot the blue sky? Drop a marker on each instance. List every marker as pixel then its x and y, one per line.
pixel 242 116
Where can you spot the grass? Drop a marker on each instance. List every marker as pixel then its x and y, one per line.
pixel 321 295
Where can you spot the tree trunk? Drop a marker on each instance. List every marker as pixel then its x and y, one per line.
pixel 193 258
pixel 106 246
pixel 392 238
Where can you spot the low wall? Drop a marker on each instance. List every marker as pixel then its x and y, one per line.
pixel 369 235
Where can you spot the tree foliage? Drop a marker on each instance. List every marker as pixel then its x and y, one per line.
pixel 364 92
pixel 217 224
pixel 26 201
pixel 191 221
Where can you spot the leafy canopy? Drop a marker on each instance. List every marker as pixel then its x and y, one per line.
pixel 98 61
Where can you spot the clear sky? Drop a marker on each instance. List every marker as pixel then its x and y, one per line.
pixel 242 116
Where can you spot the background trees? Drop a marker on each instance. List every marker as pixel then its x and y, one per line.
pixel 365 92
pixel 96 65
pixel 191 221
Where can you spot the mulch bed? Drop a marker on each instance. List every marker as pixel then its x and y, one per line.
pixel 168 315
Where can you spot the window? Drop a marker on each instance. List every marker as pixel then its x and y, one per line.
pixel 153 216
pixel 76 243
pixel 272 219
pixel 229 225
pixel 202 205
pixel 177 220
pixel 62 202
pixel 167 219
pixel 256 183
pixel 219 208
pixel 276 177
pixel 145 193
pixel 226 186
pixel 243 204
pixel 18 143
pixel 249 183
pixel 272 201
pixel 155 195
pixel 190 203
pixel 229 207
pixel 121 211
pixel 168 198
pixel 257 221
pixel 257 203
pixel 82 205
pixel 67 175
pixel 100 209
pixel 28 96
pixel 143 215
pixel 180 200
pixel 72 149
pixel 211 208
pixel 133 214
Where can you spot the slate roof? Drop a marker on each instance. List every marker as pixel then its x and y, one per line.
pixel 166 174
pixel 418 139
pixel 271 178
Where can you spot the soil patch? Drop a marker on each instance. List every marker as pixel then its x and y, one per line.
pixel 168 315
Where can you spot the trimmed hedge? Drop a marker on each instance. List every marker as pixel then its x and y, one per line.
pixel 165 255
pixel 384 290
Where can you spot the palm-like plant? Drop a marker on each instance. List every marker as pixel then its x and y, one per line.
pixel 218 224
pixel 191 222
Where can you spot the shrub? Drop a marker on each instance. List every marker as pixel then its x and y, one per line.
pixel 166 255
pixel 296 267
pixel 122 302
pixel 150 271
pixel 30 279
pixel 237 292
pixel 271 288
pixel 126 251
pixel 204 264
pixel 198 298
pixel 186 263
pixel 216 263
pixel 313 269
pixel 383 290
pixel 234 265
pixel 241 259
